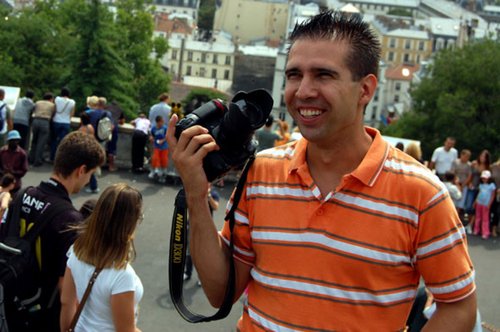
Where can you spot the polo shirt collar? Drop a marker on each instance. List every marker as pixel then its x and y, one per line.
pixel 370 167
pixel 373 162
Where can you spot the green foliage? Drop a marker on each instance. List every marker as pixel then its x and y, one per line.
pixel 83 45
pixel 206 14
pixel 399 12
pixel 460 97
pixel 160 46
pixel 33 50
pixel 200 96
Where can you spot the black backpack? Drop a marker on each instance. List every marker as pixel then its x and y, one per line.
pixel 20 286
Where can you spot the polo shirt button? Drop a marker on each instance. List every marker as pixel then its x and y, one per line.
pixel 320 212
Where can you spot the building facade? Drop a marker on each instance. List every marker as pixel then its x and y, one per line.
pixel 252 21
pixel 205 64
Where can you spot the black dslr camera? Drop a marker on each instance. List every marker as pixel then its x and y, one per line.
pixel 232 127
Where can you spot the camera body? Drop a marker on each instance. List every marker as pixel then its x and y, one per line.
pixel 232 127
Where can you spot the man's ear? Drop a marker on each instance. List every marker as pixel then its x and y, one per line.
pixel 81 170
pixel 368 85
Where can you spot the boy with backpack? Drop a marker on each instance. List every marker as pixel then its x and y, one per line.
pixel 48 209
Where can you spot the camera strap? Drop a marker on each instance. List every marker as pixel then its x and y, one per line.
pixel 177 256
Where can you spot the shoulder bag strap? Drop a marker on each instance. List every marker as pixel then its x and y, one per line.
pixel 84 299
pixel 64 108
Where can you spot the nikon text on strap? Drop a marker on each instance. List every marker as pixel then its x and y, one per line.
pixel 177 257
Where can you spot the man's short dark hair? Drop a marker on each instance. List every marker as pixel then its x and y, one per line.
pixel 48 96
pixel 364 55
pixel 30 94
pixel 75 150
pixel 65 92
pixel 158 118
pixel 163 96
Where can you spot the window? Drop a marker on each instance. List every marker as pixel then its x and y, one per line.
pixel 392 43
pixel 188 70
pixel 407 44
pixel 396 98
pixel 398 86
pixel 214 73
pixel 190 56
pixel 203 57
pixel 390 57
pixel 215 60
pixel 228 60
pixel 226 74
pixel 374 112
pixel 421 45
pixel 406 58
pixel 202 72
pixel 174 54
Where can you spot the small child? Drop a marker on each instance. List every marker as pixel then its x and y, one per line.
pixel 159 161
pixel 451 183
pixel 7 184
pixel 483 203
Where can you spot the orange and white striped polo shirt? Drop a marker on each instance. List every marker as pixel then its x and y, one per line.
pixel 350 261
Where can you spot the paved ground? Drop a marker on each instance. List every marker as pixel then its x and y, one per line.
pixel 156 310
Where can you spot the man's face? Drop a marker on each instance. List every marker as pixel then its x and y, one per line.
pixel 13 143
pixel 320 94
pixel 448 144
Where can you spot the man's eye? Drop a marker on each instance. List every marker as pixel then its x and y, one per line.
pixel 325 75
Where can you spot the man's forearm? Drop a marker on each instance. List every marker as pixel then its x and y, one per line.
pixel 458 316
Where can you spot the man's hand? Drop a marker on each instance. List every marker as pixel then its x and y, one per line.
pixel 188 153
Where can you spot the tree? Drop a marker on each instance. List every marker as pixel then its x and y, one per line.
pixel 32 51
pixel 459 97
pixel 96 66
pixel 136 44
pixel 85 46
pixel 206 14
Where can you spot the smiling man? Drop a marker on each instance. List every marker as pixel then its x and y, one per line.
pixel 359 221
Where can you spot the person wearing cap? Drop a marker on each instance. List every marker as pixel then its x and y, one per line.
pixel 483 203
pixel 13 159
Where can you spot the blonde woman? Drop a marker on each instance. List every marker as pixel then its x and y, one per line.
pixel 105 241
pixel 413 149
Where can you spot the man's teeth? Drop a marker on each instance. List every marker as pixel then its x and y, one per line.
pixel 306 112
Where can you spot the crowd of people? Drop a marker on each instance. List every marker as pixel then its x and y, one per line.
pixel 473 184
pixel 360 222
